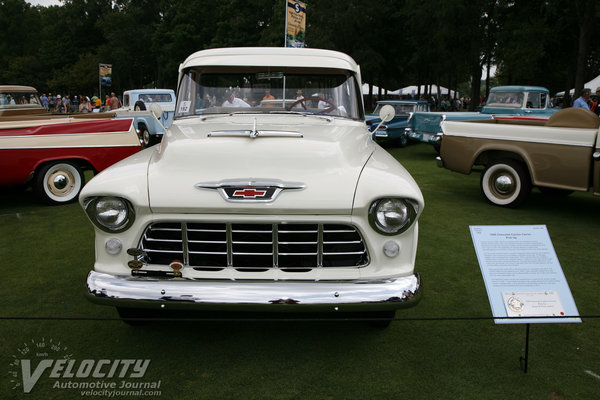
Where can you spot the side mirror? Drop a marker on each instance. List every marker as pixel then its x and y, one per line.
pixel 386 113
pixel 156 110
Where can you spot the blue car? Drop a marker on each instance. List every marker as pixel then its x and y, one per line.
pixel 136 103
pixel 518 101
pixel 393 132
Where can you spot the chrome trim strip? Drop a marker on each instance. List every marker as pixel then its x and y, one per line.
pixel 254 134
pixel 185 244
pixel 52 135
pixel 276 242
pixel 148 292
pixel 67 147
pixel 235 183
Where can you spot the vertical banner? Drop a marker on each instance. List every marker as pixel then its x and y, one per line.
pixel 295 24
pixel 105 75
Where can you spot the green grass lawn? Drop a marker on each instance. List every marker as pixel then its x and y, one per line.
pixel 46 252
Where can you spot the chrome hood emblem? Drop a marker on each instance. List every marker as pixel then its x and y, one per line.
pixel 254 133
pixel 250 190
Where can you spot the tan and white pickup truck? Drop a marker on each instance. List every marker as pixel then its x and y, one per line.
pixel 560 155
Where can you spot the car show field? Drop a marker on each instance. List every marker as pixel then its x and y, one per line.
pixel 324 200
pixel 447 347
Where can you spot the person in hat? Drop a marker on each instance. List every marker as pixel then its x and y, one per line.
pixel 59 105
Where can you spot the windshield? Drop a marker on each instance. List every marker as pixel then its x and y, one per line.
pixel 19 99
pixel 223 90
pixel 399 108
pixel 506 99
pixel 155 97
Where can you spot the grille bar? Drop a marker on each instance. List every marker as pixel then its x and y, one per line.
pixel 254 247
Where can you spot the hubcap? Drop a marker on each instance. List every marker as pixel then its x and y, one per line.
pixel 504 184
pixel 60 183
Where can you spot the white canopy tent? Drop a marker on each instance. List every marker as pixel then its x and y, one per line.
pixel 365 89
pixel 593 84
pixel 409 90
pixel 413 90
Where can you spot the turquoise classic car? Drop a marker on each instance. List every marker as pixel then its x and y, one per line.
pixel 518 101
pixel 394 132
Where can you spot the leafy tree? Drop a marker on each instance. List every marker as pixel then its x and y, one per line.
pixel 19 44
pixel 396 42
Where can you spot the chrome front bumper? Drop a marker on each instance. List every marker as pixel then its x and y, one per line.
pixel 143 292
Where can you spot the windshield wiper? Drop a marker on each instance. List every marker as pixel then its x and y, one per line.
pixel 304 114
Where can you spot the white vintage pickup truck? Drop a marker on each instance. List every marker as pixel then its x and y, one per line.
pixel 559 155
pixel 255 205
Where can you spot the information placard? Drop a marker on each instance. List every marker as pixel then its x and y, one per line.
pixel 522 274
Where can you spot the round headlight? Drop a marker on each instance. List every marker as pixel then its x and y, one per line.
pixel 111 214
pixel 391 216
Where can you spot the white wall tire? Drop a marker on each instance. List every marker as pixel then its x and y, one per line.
pixel 59 183
pixel 506 183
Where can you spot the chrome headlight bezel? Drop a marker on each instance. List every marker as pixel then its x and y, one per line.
pixel 407 208
pixel 123 207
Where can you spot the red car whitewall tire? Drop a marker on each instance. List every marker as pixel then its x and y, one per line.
pixel 59 182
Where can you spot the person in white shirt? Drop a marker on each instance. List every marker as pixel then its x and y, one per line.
pixel 233 101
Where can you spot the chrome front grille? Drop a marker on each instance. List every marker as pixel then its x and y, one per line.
pixel 254 247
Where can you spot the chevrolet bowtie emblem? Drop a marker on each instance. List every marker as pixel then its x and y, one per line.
pixel 250 190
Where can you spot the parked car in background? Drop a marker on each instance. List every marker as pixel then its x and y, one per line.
pixel 525 101
pixel 394 131
pixel 50 152
pixel 270 207
pixel 558 155
pixel 136 104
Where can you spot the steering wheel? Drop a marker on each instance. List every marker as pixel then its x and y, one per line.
pixel 305 99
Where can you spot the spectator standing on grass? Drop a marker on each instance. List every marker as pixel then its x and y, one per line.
pixel 595 108
pixel 84 107
pixel 114 102
pixel 67 103
pixel 582 100
pixel 51 101
pixel 44 100
pixel 75 103
pixel 59 106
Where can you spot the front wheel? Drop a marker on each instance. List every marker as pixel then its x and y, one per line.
pixel 506 183
pixel 59 182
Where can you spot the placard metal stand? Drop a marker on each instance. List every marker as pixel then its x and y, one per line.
pixel 525 360
pixel 523 277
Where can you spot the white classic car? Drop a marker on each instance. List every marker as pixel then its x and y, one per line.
pixel 284 208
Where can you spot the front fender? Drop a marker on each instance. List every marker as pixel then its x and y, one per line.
pixel 383 176
pixel 127 178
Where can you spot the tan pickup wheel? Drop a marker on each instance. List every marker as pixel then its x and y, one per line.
pixel 506 183
pixel 59 182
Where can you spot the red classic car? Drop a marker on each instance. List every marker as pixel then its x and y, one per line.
pixel 51 152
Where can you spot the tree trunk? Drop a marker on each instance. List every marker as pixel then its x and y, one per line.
pixel 586 13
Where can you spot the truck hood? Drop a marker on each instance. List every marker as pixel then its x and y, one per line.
pixel 296 164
